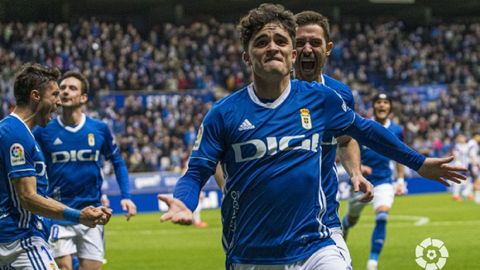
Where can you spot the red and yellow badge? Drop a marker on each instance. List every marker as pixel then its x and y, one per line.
pixel 306 120
pixel 91 139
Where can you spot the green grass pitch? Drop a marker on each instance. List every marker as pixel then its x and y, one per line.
pixel 145 243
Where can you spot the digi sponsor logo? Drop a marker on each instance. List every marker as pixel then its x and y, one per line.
pixel 17 154
pixel 257 148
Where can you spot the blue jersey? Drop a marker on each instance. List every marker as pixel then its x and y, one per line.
pixel 73 156
pixel 274 202
pixel 381 171
pixel 329 151
pixel 20 156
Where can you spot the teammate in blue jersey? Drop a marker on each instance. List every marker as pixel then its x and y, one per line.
pixel 23 178
pixel 382 178
pixel 267 137
pixel 73 145
pixel 313 45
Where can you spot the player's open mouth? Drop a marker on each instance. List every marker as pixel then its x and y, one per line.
pixel 308 66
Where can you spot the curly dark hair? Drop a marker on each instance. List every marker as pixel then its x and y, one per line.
pixel 257 18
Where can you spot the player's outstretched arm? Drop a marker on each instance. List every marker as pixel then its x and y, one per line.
pixel 349 153
pixel 378 138
pixel 26 189
pixel 177 212
pixel 129 207
pixel 440 170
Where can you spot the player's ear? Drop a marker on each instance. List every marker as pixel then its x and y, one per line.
pixel 84 98
pixel 246 58
pixel 294 56
pixel 329 48
pixel 35 96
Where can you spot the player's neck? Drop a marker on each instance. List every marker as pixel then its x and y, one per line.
pixel 27 115
pixel 71 116
pixel 270 89
pixel 382 122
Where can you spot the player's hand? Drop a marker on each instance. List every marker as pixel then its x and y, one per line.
pixel 177 212
pixel 359 183
pixel 91 216
pixel 366 170
pixel 400 189
pixel 439 170
pixel 129 207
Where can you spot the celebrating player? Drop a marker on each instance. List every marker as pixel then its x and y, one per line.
pixel 313 46
pixel 72 144
pixel 23 181
pixel 267 137
pixel 381 178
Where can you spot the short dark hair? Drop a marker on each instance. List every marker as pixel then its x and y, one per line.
pixel 32 77
pixel 257 18
pixel 79 76
pixel 312 17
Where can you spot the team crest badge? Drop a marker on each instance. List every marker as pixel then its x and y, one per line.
pixel 196 146
pixel 17 154
pixel 53 266
pixel 91 139
pixel 306 120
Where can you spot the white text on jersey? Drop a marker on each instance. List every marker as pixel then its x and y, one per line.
pixel 74 155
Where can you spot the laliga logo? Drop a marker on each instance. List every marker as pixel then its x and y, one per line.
pixel 431 254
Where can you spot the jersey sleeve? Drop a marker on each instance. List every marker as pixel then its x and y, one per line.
pixel 339 115
pixel 18 157
pixel 206 152
pixel 112 152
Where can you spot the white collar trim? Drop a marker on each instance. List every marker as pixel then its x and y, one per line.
pixel 23 122
pixel 73 129
pixel 269 105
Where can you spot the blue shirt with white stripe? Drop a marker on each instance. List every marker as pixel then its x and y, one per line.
pixel 274 203
pixel 381 170
pixel 20 156
pixel 329 151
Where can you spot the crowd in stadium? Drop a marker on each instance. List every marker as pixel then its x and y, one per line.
pixel 207 55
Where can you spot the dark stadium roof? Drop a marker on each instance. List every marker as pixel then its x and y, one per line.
pixel 226 10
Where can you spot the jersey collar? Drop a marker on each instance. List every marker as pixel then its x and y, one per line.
pixel 75 128
pixel 269 105
pixel 20 119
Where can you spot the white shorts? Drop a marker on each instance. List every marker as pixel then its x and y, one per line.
pixel 78 239
pixel 383 195
pixel 337 236
pixel 326 258
pixel 31 253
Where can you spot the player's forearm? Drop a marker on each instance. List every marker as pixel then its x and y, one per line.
pixel 349 153
pixel 121 174
pixel 42 206
pixel 378 138
pixel 189 186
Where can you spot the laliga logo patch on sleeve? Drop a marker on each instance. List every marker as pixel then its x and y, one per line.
pixel 17 154
pixel 196 146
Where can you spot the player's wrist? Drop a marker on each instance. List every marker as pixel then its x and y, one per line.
pixel 72 215
pixel 400 180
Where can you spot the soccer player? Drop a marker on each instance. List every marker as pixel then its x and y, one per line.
pixel 474 145
pixel 313 45
pixel 463 152
pixel 381 178
pixel 73 144
pixel 267 137
pixel 23 183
